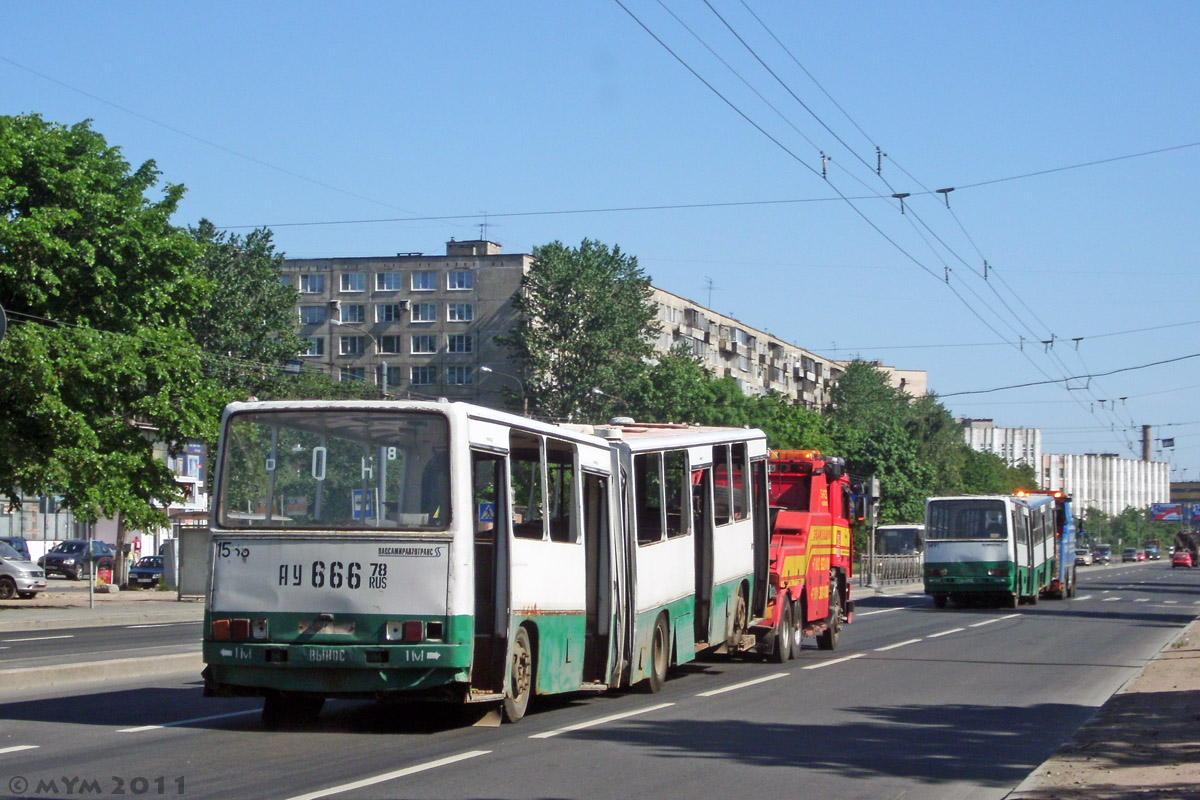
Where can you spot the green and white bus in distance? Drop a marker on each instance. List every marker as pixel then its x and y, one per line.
pixel 400 549
pixel 996 547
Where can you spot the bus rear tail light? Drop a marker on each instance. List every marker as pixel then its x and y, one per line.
pixel 225 630
pixel 934 572
pixel 221 630
pixel 241 629
pixel 258 629
pixel 409 630
pixel 999 572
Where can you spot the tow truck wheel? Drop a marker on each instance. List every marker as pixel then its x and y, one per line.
pixel 783 636
pixel 828 639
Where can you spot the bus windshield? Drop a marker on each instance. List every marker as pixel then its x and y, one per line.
pixel 966 519
pixel 333 470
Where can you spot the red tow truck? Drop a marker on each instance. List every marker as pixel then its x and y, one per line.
pixel 811 559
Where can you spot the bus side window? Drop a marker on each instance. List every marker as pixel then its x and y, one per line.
pixel 648 497
pixel 528 492
pixel 678 492
pixel 560 457
pixel 738 471
pixel 722 485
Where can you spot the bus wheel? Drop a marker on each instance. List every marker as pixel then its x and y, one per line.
pixel 286 712
pixel 520 683
pixel 1033 598
pixel 783 636
pixel 1010 600
pixel 828 638
pixel 939 600
pixel 659 656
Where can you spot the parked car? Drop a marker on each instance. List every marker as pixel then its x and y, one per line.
pixel 1181 558
pixel 73 559
pixel 147 572
pixel 1141 556
pixel 1083 557
pixel 18 575
pixel 18 544
pixel 1129 554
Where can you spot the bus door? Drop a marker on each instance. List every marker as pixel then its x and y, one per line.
pixel 601 605
pixel 702 514
pixel 762 537
pixel 491 571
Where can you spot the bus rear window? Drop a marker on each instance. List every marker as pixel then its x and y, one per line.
pixel 333 470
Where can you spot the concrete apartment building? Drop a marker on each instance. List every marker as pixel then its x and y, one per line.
pixel 433 321
pixel 1014 445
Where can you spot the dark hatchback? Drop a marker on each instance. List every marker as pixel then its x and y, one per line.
pixel 147 572
pixel 73 559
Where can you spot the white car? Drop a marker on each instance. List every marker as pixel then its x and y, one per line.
pixel 19 577
pixel 1083 557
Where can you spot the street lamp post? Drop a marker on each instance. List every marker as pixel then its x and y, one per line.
pixel 383 370
pixel 520 383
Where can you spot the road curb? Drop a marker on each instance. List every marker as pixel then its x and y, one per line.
pixel 119 668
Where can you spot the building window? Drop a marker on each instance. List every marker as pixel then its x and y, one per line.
pixel 355 312
pixel 460 281
pixel 424 312
pixel 390 344
pixel 460 343
pixel 388 282
pixel 422 376
pixel 351 345
pixel 312 315
pixel 424 344
pixel 424 281
pixel 351 374
pixel 285 280
pixel 354 282
pixel 391 312
pixel 314 346
pixel 312 284
pixel 460 312
pixel 459 376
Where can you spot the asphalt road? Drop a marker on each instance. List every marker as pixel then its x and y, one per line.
pixel 917 703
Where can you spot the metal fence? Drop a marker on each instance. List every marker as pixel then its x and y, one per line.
pixel 908 568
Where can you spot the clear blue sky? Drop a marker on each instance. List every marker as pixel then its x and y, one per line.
pixel 569 120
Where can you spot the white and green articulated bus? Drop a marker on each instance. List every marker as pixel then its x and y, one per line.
pixel 401 549
pixel 999 548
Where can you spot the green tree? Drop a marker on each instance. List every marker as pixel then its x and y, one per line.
pixel 98 364
pixel 248 325
pixel 584 321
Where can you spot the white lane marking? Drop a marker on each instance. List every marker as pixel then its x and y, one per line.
pixel 1110 600
pixel 161 624
pixel 1170 602
pixel 592 723
pixel 876 611
pixel 388 776
pixel 1085 597
pixel 897 644
pixel 946 633
pixel 1010 616
pixel 18 748
pixel 744 685
pixel 1141 600
pixel 188 721
pixel 40 638
pixel 835 661
pixel 981 624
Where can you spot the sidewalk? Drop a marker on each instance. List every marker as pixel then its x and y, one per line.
pixel 67 606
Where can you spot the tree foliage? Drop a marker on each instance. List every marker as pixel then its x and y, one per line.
pixel 98 364
pixel 584 322
pixel 249 322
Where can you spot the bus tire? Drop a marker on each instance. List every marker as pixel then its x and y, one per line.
pixel 1033 597
pixel 660 656
pixel 940 600
pixel 783 635
pixel 828 638
pixel 520 680
pixel 282 712
pixel 1010 600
